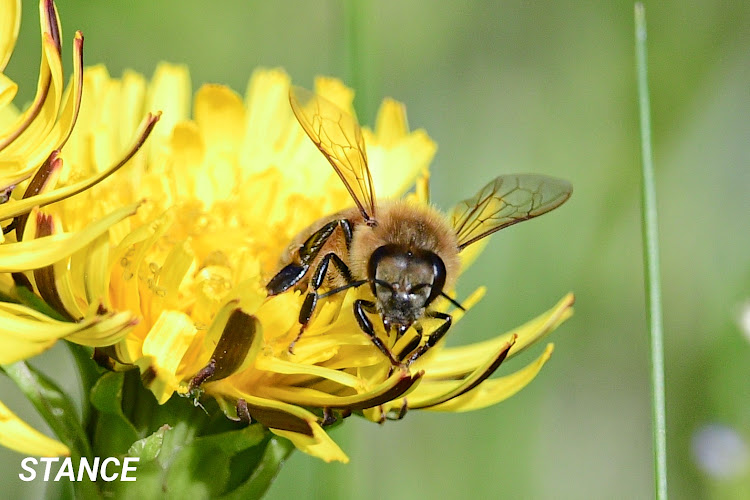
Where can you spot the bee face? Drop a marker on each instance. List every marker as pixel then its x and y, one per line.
pixel 404 281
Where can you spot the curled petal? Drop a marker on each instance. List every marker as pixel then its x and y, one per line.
pixel 496 390
pixel 19 436
pixel 395 386
pixel 440 391
pixel 25 332
pixel 233 339
pixel 273 414
pixel 14 209
pixel 23 138
pixel 318 445
pixel 33 254
pixel 458 361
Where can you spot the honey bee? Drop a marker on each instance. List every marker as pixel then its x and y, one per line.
pixel 407 254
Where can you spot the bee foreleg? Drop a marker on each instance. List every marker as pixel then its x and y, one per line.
pixel 361 307
pixel 413 343
pixel 434 337
pixel 318 278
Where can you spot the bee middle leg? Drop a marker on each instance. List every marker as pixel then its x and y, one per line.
pixel 295 271
pixel 434 337
pixel 361 307
pixel 317 280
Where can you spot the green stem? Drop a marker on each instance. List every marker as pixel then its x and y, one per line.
pixel 651 260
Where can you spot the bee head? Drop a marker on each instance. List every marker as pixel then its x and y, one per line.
pixel 404 281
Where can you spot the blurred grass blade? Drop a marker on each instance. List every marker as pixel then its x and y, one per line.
pixel 651 260
pixel 361 58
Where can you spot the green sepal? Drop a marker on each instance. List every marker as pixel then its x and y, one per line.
pixel 148 448
pixel 31 300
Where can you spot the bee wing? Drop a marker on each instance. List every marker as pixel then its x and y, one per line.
pixel 505 201
pixel 337 135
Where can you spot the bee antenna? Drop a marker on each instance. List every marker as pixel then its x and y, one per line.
pixel 453 301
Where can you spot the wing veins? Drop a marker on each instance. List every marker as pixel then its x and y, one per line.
pixel 337 135
pixel 517 198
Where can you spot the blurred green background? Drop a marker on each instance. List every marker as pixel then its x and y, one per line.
pixel 508 87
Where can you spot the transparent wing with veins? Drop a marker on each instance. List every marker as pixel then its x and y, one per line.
pixel 505 201
pixel 337 135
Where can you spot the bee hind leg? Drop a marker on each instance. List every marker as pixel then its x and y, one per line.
pixel 318 278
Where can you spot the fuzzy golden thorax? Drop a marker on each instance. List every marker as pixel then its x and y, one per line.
pixel 409 225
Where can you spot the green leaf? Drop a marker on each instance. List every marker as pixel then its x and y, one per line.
pixel 59 413
pixel 276 452
pixel 203 467
pixel 52 404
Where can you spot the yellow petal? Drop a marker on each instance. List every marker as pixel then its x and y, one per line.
pixel 10 21
pixel 220 115
pixel 239 339
pixel 282 367
pixel 132 95
pixel 319 445
pixel 396 156
pixel 396 168
pixel 27 255
pixel 169 93
pixel 391 125
pixel 496 390
pixel 8 89
pixel 163 349
pixel 456 361
pixel 25 332
pixel 269 120
pixel 19 436
pixel 69 111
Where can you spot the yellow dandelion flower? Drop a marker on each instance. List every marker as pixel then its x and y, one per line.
pixel 32 241
pixel 226 188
